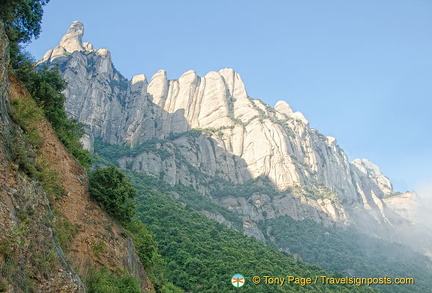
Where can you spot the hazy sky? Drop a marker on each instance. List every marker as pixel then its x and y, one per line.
pixel 360 71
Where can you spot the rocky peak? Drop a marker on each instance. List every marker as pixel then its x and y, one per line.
pixel 373 172
pixel 299 116
pixel 284 108
pixel 88 46
pixel 72 40
pixel 234 83
pixel 138 84
pixel 158 87
pixel 140 78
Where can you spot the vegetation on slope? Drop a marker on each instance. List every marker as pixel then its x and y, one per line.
pixel 25 144
pixel 103 281
pixel 32 247
pixel 112 190
pixel 46 100
pixel 187 195
pixel 203 255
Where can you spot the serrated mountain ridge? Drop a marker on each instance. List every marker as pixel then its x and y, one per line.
pixel 239 138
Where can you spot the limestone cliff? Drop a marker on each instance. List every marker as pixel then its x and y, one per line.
pixel 209 129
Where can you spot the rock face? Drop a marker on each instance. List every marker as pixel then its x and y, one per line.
pixel 236 138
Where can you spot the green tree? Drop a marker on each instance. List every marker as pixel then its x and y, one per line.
pixel 22 20
pixel 112 190
pixel 144 243
pixel 46 86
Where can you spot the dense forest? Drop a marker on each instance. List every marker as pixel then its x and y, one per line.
pixel 202 255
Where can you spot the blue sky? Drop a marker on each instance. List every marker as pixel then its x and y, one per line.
pixel 360 71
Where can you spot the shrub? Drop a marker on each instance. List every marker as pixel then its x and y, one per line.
pixel 103 281
pixel 144 243
pixel 113 191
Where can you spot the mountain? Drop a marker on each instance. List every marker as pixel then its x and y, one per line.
pixel 55 238
pixel 257 169
pixel 236 139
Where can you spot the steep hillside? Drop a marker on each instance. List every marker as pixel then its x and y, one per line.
pixel 53 238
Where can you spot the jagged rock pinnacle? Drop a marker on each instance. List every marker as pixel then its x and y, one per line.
pixel 72 40
pixel 373 172
pixel 284 108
